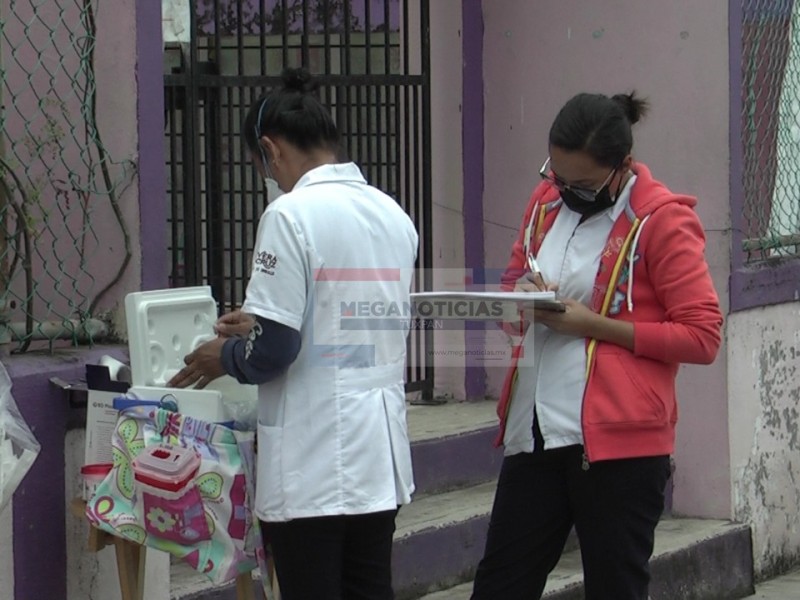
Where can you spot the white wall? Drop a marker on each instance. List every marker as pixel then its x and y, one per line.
pixel 538 55
pixel 764 384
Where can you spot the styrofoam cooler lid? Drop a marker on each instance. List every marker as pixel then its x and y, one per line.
pixel 163 327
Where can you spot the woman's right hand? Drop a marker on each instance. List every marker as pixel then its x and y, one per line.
pixel 533 282
pixel 235 323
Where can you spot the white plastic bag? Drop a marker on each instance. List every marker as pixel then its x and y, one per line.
pixel 240 401
pixel 18 447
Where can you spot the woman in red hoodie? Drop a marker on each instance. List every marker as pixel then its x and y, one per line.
pixel 588 410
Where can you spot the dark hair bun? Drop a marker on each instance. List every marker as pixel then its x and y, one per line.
pixel 634 107
pixel 298 80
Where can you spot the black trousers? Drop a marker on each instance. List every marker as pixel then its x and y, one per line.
pixel 344 557
pixel 614 505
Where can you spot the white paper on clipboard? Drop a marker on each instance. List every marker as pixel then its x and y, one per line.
pixel 481 306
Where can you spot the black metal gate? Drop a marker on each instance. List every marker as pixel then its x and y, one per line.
pixel 372 58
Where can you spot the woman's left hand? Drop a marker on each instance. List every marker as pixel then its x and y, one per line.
pixel 577 319
pixel 203 366
pixel 233 324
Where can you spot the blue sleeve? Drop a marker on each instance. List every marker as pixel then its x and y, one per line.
pixel 264 354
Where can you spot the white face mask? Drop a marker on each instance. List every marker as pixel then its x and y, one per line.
pixel 274 191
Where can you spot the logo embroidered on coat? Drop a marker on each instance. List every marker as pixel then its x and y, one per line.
pixel 266 262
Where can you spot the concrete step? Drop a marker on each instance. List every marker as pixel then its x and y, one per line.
pixel 440 536
pixel 785 587
pixel 452 445
pixel 694 559
pixel 438 541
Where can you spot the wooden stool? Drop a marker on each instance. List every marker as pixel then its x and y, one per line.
pixel 130 560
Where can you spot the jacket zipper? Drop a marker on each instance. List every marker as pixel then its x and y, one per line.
pixel 612 283
pixel 585 458
pixel 585 464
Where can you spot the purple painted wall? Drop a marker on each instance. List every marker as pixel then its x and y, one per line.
pixel 472 133
pixel 39 503
pixel 150 126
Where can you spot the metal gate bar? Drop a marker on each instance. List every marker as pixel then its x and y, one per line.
pixel 377 91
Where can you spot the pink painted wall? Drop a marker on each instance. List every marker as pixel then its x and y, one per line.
pixel 118 120
pixel 447 175
pixel 44 96
pixel 539 54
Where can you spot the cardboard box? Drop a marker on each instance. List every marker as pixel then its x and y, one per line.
pixel 101 417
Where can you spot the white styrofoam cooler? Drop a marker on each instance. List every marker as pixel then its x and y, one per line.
pixel 163 327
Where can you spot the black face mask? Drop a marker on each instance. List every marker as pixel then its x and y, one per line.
pixel 587 208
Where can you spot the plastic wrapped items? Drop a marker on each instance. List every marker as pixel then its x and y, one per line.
pixel 18 447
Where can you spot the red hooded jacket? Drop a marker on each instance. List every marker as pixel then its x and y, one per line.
pixel 654 274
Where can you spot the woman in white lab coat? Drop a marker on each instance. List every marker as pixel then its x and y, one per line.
pixel 331 254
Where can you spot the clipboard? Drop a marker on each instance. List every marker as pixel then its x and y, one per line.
pixel 481 306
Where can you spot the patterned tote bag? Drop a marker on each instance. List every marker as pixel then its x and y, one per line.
pixel 206 519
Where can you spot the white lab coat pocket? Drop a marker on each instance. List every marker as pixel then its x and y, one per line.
pixel 395 408
pixel 270 496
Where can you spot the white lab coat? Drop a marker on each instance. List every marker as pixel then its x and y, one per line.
pixel 332 435
pixel 552 374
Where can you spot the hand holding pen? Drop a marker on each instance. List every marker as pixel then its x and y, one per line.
pixel 532 280
pixel 536 272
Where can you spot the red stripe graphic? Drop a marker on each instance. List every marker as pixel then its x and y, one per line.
pixel 368 274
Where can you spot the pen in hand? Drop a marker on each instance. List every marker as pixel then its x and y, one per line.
pixel 538 278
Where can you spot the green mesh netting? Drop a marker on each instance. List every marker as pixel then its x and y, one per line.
pixel 60 188
pixel 771 128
